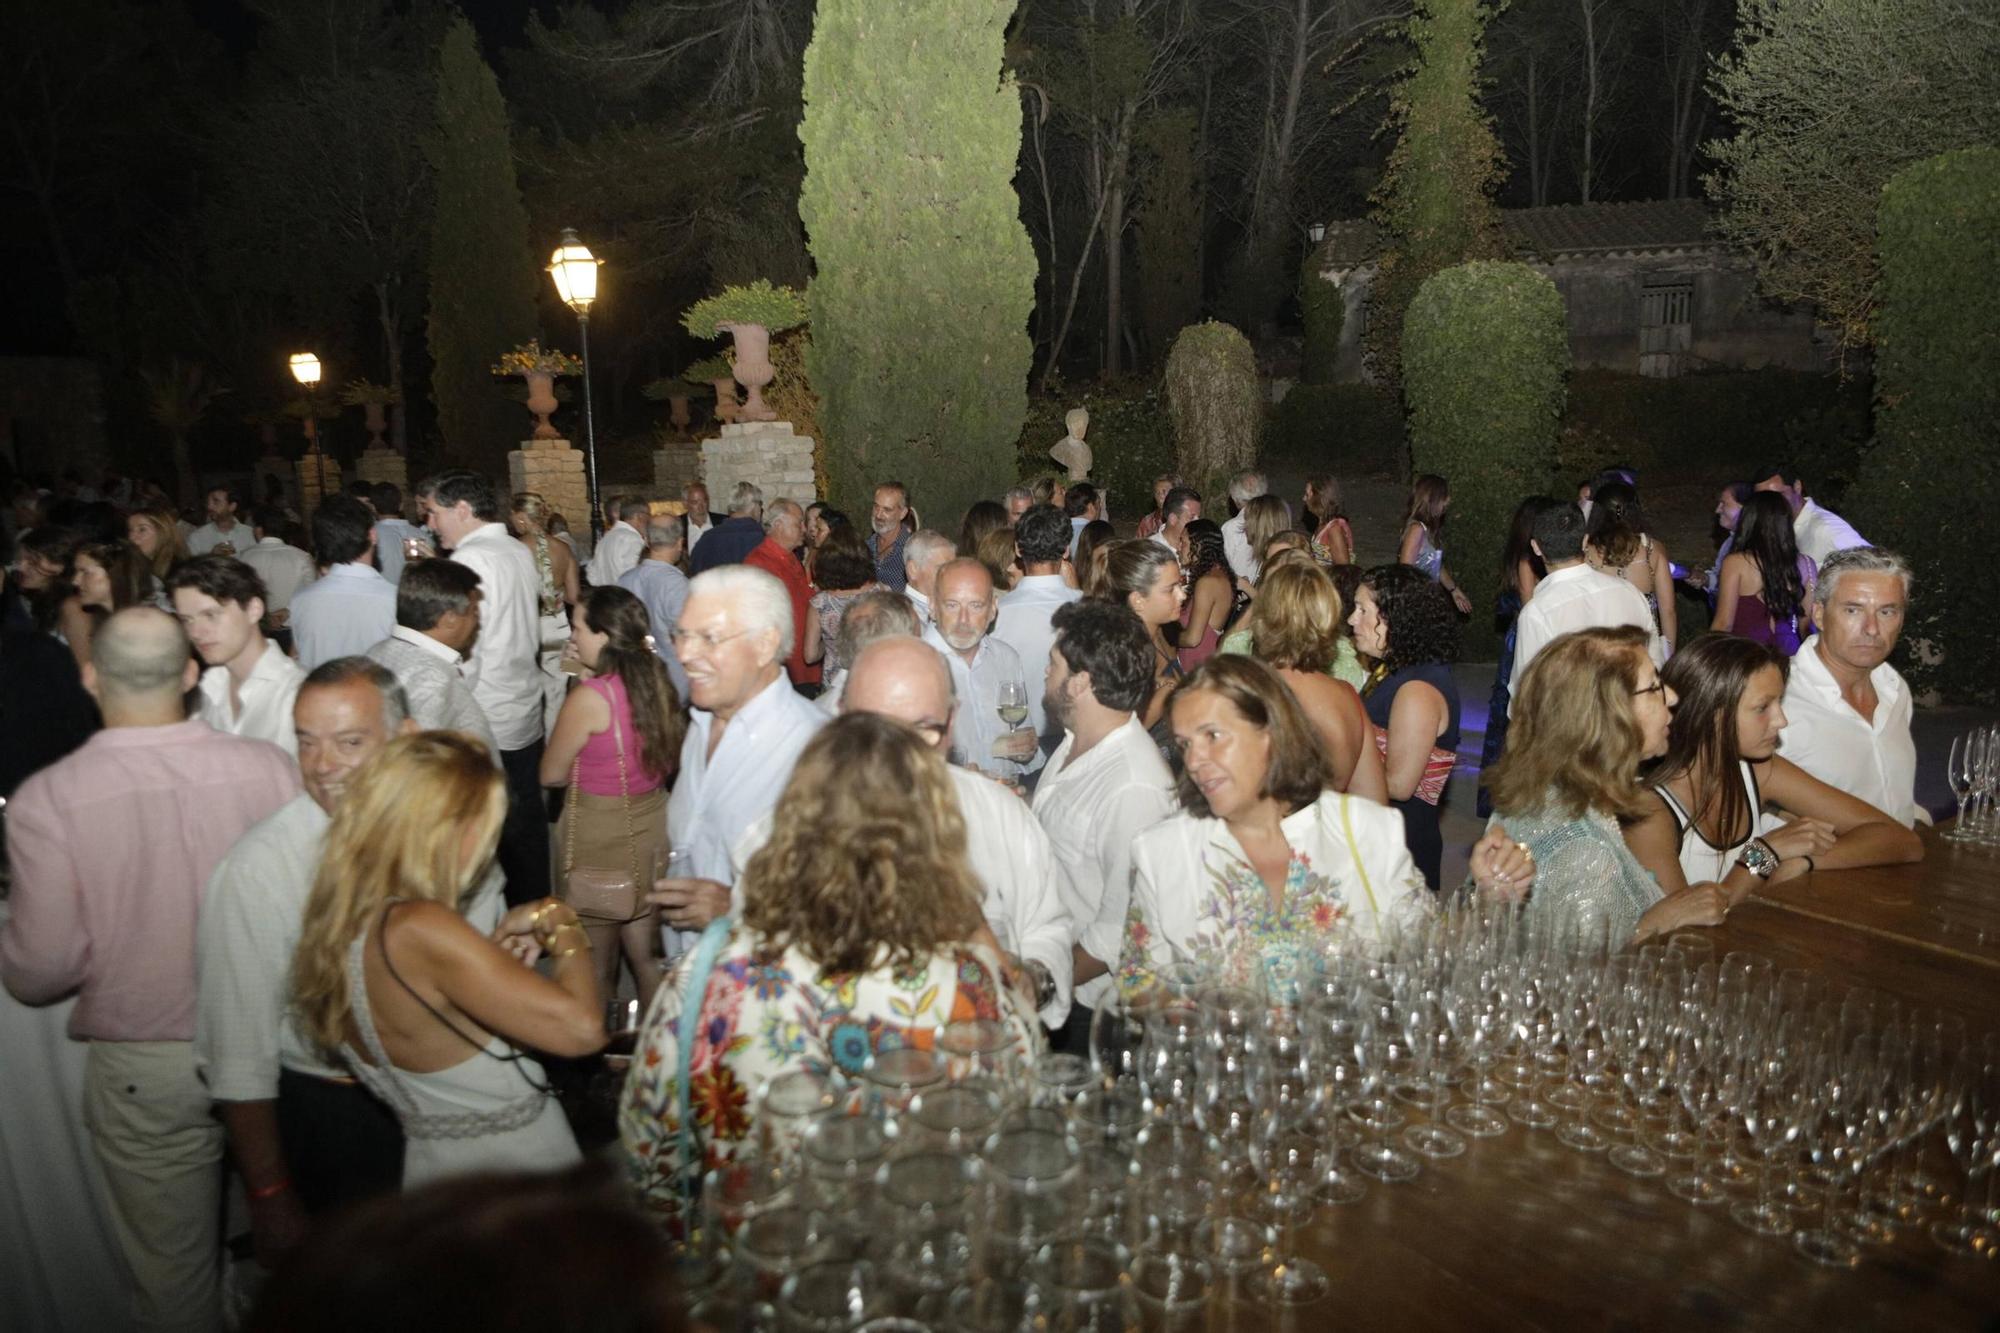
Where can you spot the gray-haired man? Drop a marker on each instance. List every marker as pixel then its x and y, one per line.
pixel 658 582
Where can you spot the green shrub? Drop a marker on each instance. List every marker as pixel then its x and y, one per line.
pixel 925 279
pixel 1216 403
pixel 776 308
pixel 1325 311
pixel 1351 428
pixel 1485 358
pixel 1928 486
pixel 1131 440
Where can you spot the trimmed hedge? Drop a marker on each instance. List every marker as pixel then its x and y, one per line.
pixel 1485 359
pixel 1216 402
pixel 1930 481
pixel 1131 440
pixel 1325 311
pixel 1353 428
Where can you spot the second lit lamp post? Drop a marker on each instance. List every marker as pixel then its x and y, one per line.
pixel 306 370
pixel 574 269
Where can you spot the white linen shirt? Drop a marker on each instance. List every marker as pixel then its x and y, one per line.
pixel 1092 809
pixel 1012 859
pixel 245 1028
pixel 1025 624
pixel 1236 549
pixel 1821 532
pixel 618 551
pixel 350 610
pixel 695 531
pixel 267 693
pixel 504 670
pixel 1873 761
pixel 977 725
pixel 204 539
pixel 1579 597
pixel 285 569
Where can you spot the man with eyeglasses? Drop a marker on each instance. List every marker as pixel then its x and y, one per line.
pixel 746 728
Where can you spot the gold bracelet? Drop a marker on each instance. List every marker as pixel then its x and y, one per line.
pixel 547 933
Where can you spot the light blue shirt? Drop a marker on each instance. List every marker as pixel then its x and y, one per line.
pixel 1024 624
pixel 348 611
pixel 977 724
pixel 664 590
pixel 390 533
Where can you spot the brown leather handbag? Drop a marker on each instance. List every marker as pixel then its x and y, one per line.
pixel 603 897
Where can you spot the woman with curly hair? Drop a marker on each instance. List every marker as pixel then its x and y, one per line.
pixel 1406 623
pixel 1211 595
pixel 861 933
pixel 617 741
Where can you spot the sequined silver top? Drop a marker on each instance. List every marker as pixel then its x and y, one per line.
pixel 1583 869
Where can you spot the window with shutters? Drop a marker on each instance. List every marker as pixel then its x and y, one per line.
pixel 1666 328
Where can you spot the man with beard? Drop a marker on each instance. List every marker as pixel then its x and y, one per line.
pixel 962 611
pixel 885 543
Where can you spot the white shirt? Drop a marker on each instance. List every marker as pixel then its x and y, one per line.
pixel 284 569
pixel 390 534
pixel 1011 857
pixel 1161 537
pixel 977 725
pixel 1092 809
pixel 251 917
pixel 618 551
pixel 1873 761
pixel 505 667
pixel 921 604
pixel 695 531
pixel 1236 549
pixel 267 693
pixel 1579 597
pixel 1821 532
pixel 347 612
pixel 207 537
pixel 718 796
pixel 1025 625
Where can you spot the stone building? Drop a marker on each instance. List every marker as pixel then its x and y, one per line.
pixel 1648 287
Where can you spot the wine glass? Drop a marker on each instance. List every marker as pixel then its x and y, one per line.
pixel 1117 1040
pixel 1011 698
pixel 1958 774
pixel 1377 1039
pixel 1972 1133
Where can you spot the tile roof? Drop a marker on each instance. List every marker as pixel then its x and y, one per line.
pixel 1648 226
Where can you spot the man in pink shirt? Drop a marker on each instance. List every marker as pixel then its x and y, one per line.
pixel 112 847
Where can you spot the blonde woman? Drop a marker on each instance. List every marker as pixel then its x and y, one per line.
pixel 1296 631
pixel 1333 543
pixel 1264 518
pixel 423 1008
pixel 555 564
pixel 158 537
pixel 861 932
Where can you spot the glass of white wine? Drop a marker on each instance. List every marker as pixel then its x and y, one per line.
pixel 1013 703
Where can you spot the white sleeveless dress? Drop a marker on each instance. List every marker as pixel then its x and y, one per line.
pixel 1701 860
pixel 482 1114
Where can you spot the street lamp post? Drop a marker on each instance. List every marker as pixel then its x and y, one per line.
pixel 306 370
pixel 574 269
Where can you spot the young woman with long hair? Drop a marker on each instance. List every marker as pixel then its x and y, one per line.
pixel 1650 569
pixel 1722 766
pixel 158 537
pixel 102 577
pixel 860 911
pixel 1146 577
pixel 1591 710
pixel 1763 588
pixel 428 1012
pixel 616 742
pixel 1422 544
pixel 1298 617
pixel 1211 597
pixel 1333 542
pixel 1405 623
pixel 1097 535
pixel 1264 517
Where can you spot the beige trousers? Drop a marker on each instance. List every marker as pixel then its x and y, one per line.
pixel 160 1147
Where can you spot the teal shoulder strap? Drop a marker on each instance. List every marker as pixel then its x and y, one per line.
pixel 689 1024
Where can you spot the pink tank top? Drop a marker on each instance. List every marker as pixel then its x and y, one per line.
pixel 597 765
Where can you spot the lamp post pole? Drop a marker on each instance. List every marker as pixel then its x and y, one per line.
pixel 574 269
pixel 589 432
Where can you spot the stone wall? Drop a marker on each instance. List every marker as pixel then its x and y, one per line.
pixel 554 471
pixel 676 466
pixel 764 453
pixel 319 476
pixel 380 465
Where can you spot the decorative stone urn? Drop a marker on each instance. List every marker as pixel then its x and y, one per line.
pixel 680 417
pixel 377 417
pixel 542 401
pixel 725 400
pixel 753 368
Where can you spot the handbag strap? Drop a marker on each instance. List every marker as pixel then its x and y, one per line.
pixel 688 1025
pixel 1360 867
pixel 624 792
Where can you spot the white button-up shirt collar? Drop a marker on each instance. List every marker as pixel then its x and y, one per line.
pixel 619 550
pixel 505 668
pixel 977 724
pixel 268 693
pixel 1579 597
pixel 718 796
pixel 921 604
pixel 1875 761
pixel 1091 808
pixel 443 652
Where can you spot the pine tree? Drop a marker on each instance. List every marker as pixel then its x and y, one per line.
pixel 925 281
pixel 482 273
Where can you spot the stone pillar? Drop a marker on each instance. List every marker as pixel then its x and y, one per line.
pixel 676 465
pixel 274 464
pixel 554 471
pixel 319 476
pixel 765 453
pixel 379 465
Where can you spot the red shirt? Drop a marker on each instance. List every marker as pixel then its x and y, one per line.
pixel 775 559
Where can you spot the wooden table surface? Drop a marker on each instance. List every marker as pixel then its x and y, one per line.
pixel 1523 1233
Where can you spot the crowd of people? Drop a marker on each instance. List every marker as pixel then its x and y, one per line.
pixel 322 858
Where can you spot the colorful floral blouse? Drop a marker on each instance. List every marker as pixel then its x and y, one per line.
pixel 1196 898
pixel 765 1013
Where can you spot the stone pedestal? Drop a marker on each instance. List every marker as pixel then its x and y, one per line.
pixel 379 465
pixel 676 466
pixel 554 471
pixel 319 476
pixel 765 453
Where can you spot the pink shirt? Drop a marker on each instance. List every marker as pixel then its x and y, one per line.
pixel 597 762
pixel 112 850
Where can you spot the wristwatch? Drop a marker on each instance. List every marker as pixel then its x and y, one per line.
pixel 1758 858
pixel 1045 982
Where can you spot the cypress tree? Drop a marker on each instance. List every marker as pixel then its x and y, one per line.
pixel 482 273
pixel 925 279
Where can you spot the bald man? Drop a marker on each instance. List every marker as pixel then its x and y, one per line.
pixel 963 609
pixel 908 680
pixel 112 847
